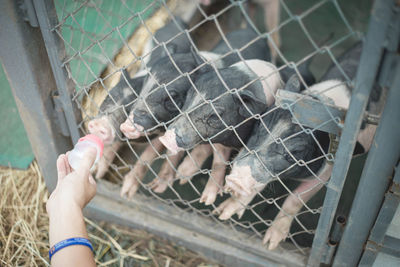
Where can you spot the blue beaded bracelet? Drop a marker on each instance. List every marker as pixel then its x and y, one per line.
pixel 69 242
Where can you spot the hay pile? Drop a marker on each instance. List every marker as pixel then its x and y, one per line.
pixel 23 219
pixel 24 231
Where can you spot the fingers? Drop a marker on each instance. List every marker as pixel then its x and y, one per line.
pixel 92 187
pixel 87 162
pixel 61 167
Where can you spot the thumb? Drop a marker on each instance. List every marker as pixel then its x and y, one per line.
pixel 61 167
pixel 87 162
pixel 92 180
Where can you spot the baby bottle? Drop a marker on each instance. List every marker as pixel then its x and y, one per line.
pixel 76 155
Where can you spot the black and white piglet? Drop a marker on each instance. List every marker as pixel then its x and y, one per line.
pixel 284 151
pixel 271 10
pixel 220 111
pixel 290 150
pixel 175 39
pixel 169 80
pixel 106 126
pixel 165 91
pixel 128 88
pixel 347 71
pixel 112 110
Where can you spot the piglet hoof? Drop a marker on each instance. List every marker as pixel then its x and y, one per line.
pixel 208 198
pixel 228 208
pixel 277 232
pixel 130 186
pixel 101 168
pixel 159 185
pixel 210 194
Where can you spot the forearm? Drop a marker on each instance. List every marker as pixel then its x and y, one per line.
pixel 67 222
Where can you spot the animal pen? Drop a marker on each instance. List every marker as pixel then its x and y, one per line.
pixel 63 57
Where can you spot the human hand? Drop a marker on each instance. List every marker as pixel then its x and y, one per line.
pixel 74 188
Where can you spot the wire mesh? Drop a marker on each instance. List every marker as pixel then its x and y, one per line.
pixel 105 38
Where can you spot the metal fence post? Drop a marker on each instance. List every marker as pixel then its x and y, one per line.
pixel 27 66
pixel 367 71
pixel 382 158
pixel 378 238
pixel 47 18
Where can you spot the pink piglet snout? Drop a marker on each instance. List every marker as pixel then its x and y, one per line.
pixel 102 128
pixel 131 130
pixel 169 141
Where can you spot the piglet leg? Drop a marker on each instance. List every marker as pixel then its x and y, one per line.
pixel 132 178
pixel 193 163
pixel 167 173
pixel 106 159
pixel 216 181
pixel 271 15
pixel 280 227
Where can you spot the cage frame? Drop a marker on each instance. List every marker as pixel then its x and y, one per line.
pixel 179 226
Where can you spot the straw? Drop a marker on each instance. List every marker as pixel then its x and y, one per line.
pixel 24 231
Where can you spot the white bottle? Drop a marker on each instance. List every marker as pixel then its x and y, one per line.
pixel 76 155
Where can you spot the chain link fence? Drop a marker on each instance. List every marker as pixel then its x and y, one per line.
pixel 286 146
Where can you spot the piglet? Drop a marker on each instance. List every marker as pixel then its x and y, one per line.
pixel 285 150
pixel 271 10
pixel 112 111
pixel 223 115
pixel 279 149
pixel 346 71
pixel 168 40
pixel 107 126
pixel 175 39
pixel 243 182
pixel 165 91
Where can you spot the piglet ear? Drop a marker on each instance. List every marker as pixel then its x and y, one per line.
pixel 126 74
pixel 197 59
pixel 137 83
pixel 253 104
pixel 171 48
pixel 293 84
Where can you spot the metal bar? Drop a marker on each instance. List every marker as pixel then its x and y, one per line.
pixel 377 244
pixel 391 246
pixel 370 253
pixel 47 17
pixel 231 248
pixel 387 211
pixel 335 236
pixel 374 181
pixel 368 67
pixel 377 236
pixel 28 70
